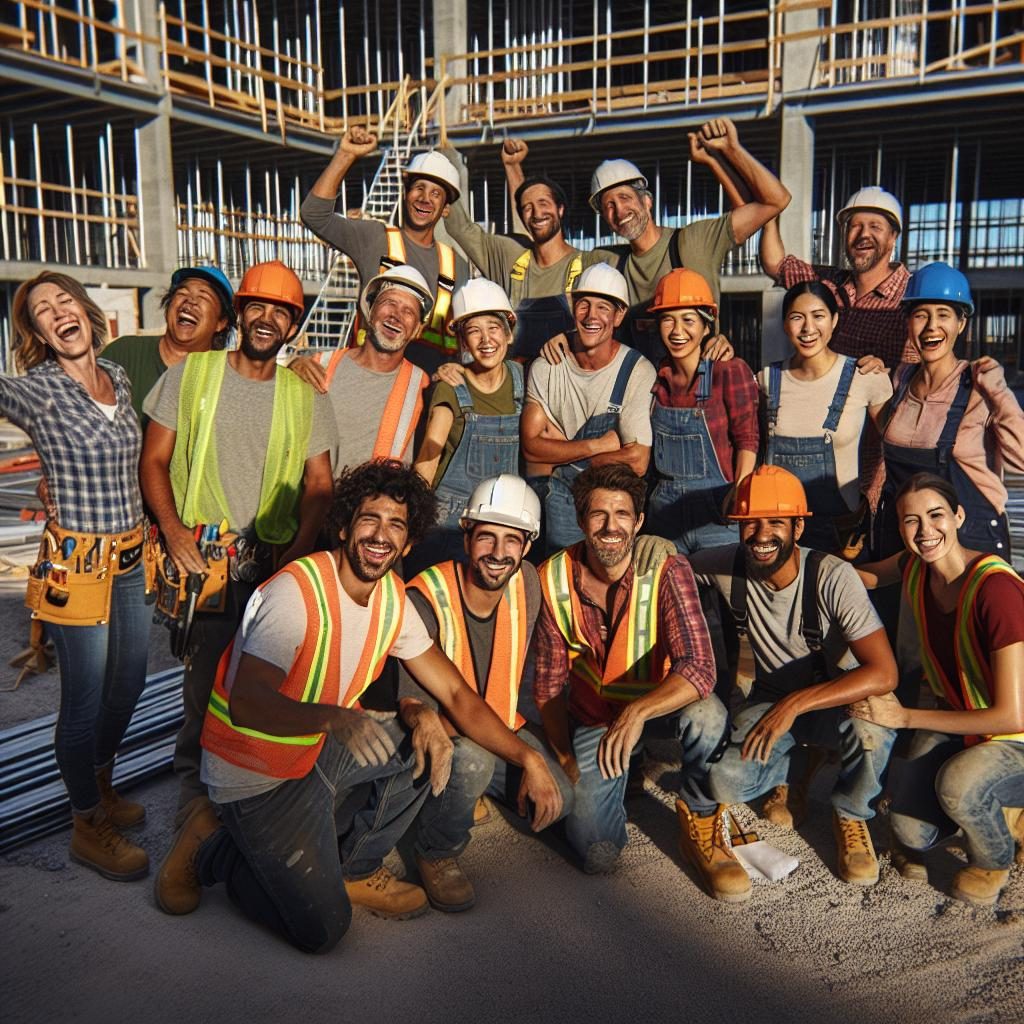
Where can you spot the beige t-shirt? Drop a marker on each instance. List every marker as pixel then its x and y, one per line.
pixel 804 404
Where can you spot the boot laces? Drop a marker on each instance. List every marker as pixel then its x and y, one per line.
pixel 380 879
pixel 708 833
pixel 109 836
pixel 856 838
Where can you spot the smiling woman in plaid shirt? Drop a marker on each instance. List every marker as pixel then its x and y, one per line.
pixel 77 410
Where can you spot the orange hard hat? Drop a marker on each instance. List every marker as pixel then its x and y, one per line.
pixel 770 492
pixel 272 282
pixel 683 289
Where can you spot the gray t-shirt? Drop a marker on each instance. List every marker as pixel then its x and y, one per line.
pixel 273 628
pixel 481 637
pixel 570 395
pixel 241 433
pixel 844 608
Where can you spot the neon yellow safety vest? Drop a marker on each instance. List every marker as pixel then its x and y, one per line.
pixel 517 275
pixel 636 662
pixel 195 477
pixel 972 690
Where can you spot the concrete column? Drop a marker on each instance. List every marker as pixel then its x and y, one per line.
pixel 451 35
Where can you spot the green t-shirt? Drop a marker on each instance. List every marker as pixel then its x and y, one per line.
pixel 139 354
pixel 500 403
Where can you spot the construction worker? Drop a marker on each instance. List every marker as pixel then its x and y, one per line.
pixel 538 278
pixel 376 379
pixel 239 445
pixel 482 615
pixel 199 315
pixel 285 740
pixel 88 584
pixel 472 430
pixel 964 770
pixel 869 289
pixel 593 409
pixel 632 650
pixel 620 194
pixel 818 646
pixel 430 186
pixel 950 418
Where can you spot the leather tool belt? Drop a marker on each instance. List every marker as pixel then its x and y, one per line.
pixel 72 580
pixel 171 586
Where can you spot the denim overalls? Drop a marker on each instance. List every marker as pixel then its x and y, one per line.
pixel 561 528
pixel 537 321
pixel 488 448
pixel 984 528
pixel 812 460
pixel 686 504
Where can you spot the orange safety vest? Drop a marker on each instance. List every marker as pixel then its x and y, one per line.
pixel 434 332
pixel 973 687
pixel 637 662
pixel 401 411
pixel 441 586
pixel 315 673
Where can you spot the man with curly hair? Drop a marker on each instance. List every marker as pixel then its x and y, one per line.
pixel 285 740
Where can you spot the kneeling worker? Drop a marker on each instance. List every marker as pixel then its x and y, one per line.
pixel 482 615
pixel 284 742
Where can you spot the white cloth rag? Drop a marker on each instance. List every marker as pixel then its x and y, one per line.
pixel 763 861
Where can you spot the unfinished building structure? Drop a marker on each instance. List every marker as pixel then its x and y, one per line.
pixel 136 137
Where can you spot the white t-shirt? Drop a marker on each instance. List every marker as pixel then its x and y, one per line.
pixel 273 629
pixel 804 404
pixel 570 395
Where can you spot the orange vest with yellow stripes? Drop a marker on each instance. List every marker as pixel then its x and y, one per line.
pixel 441 586
pixel 637 661
pixel 315 673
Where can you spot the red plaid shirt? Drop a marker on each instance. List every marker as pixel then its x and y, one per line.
pixel 730 413
pixel 681 626
pixel 870 325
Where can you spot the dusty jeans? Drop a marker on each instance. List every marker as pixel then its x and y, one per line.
pixel 944 786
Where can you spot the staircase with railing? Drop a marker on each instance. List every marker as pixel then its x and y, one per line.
pixel 329 320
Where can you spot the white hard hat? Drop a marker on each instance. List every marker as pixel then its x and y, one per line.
pixel 481 296
pixel 437 167
pixel 872 198
pixel 506 500
pixel 409 279
pixel 604 280
pixel 611 173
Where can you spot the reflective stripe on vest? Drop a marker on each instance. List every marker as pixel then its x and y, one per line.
pixel 440 587
pixel 635 663
pixel 522 265
pixel 195 477
pixel 973 688
pixel 401 411
pixel 315 673
pixel 433 332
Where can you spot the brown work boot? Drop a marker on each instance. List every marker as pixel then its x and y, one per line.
pixel 1015 823
pixel 96 843
pixel 482 812
pixel 177 887
pixel 386 896
pixel 123 813
pixel 978 885
pixel 776 807
pixel 909 863
pixel 857 862
pixel 704 842
pixel 447 886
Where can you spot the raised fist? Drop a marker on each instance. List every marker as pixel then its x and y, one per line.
pixel 513 151
pixel 719 135
pixel 358 141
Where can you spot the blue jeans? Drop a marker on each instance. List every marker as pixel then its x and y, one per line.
pixel 945 786
pixel 445 820
pixel 102 674
pixel 599 811
pixel 278 853
pixel 864 750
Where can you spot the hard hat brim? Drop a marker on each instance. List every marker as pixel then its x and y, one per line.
pixel 451 191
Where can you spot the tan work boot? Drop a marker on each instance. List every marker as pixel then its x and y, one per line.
pixel 978 885
pixel 857 862
pixel 1015 823
pixel 447 886
pixel 177 889
pixel 776 807
pixel 482 812
pixel 96 843
pixel 909 863
pixel 123 813
pixel 704 842
pixel 386 896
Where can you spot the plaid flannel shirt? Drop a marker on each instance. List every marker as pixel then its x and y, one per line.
pixel 91 463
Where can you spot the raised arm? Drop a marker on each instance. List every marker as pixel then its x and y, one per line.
pixel 355 143
pixel 513 153
pixel 771 251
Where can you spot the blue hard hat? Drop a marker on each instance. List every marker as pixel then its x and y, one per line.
pixel 939 282
pixel 213 275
